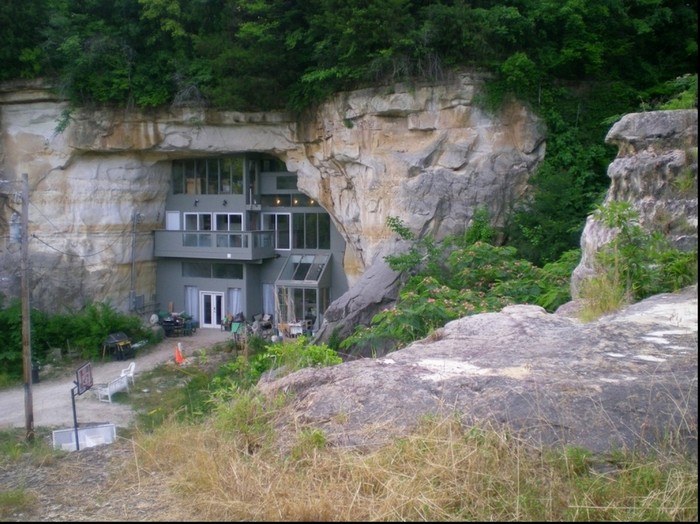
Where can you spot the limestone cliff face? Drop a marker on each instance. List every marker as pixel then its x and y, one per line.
pixel 656 170
pixel 425 154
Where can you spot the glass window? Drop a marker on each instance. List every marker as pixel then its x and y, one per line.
pixel 200 169
pixel 191 187
pixel 281 224
pixel 220 270
pixel 298 227
pixel 208 176
pixel 324 231
pixel 198 222
pixel 311 231
pixel 229 221
pixel 301 200
pixel 283 232
pixel 196 269
pixel 232 175
pixel 178 177
pixel 212 176
pixel 191 221
pixel 215 270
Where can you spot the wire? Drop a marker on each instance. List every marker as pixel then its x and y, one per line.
pixel 119 237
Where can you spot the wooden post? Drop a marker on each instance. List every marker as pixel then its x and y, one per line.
pixel 26 314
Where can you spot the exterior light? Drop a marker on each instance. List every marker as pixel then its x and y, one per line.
pixel 225 202
pixel 196 201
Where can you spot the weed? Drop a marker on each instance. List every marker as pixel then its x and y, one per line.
pixel 686 183
pixel 16 501
pixel 601 295
pixel 309 441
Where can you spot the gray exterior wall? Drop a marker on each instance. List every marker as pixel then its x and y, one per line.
pixel 171 284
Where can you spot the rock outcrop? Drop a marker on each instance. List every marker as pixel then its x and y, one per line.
pixel 656 170
pixel 628 380
pixel 423 153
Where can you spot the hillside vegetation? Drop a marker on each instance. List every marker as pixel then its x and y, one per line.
pixel 580 65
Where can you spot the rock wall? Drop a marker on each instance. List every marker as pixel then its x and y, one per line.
pixel 423 153
pixel 656 170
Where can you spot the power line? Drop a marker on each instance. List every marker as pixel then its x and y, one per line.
pixel 119 236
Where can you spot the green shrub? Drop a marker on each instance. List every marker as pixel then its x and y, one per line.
pixel 634 265
pixel 81 331
pixel 463 275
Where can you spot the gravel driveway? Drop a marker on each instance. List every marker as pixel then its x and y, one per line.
pixel 51 399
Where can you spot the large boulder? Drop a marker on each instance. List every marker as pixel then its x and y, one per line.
pixel 656 170
pixel 628 380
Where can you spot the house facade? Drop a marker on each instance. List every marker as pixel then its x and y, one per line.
pixel 239 237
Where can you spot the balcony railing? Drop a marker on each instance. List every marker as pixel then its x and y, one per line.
pixel 229 245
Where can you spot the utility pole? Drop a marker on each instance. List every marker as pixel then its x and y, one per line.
pixel 26 311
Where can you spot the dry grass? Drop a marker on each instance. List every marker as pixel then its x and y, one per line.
pixel 442 472
pixel 601 295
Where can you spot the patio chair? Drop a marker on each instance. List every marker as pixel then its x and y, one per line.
pixel 129 372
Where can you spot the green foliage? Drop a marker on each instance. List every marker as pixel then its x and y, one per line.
pixel 284 357
pixel 16 501
pixel 564 188
pixel 686 96
pixel 83 331
pixel 11 334
pixel 463 276
pixel 677 93
pixel 308 442
pixel 21 54
pixel 635 264
pixel 298 353
pixel 245 415
pixel 274 53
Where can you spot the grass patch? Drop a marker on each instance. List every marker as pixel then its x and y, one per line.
pixel 14 448
pixel 440 472
pixel 600 295
pixel 16 501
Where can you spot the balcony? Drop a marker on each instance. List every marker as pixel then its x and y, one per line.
pixel 221 245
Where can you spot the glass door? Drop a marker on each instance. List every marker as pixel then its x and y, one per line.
pixel 211 309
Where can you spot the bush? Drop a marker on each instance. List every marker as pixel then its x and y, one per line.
pixel 83 331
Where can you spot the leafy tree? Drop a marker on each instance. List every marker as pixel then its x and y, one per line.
pixel 20 38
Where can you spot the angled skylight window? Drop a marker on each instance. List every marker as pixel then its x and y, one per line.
pixel 308 269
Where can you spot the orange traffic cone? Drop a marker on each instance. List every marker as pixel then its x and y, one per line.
pixel 179 359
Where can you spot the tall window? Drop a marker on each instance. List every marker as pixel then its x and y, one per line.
pixel 280 223
pixel 208 176
pixel 311 231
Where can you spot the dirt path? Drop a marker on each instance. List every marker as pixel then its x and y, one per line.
pixel 52 401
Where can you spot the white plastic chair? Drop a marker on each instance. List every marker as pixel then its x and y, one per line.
pixel 129 372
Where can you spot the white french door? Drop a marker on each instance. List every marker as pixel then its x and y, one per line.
pixel 211 309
